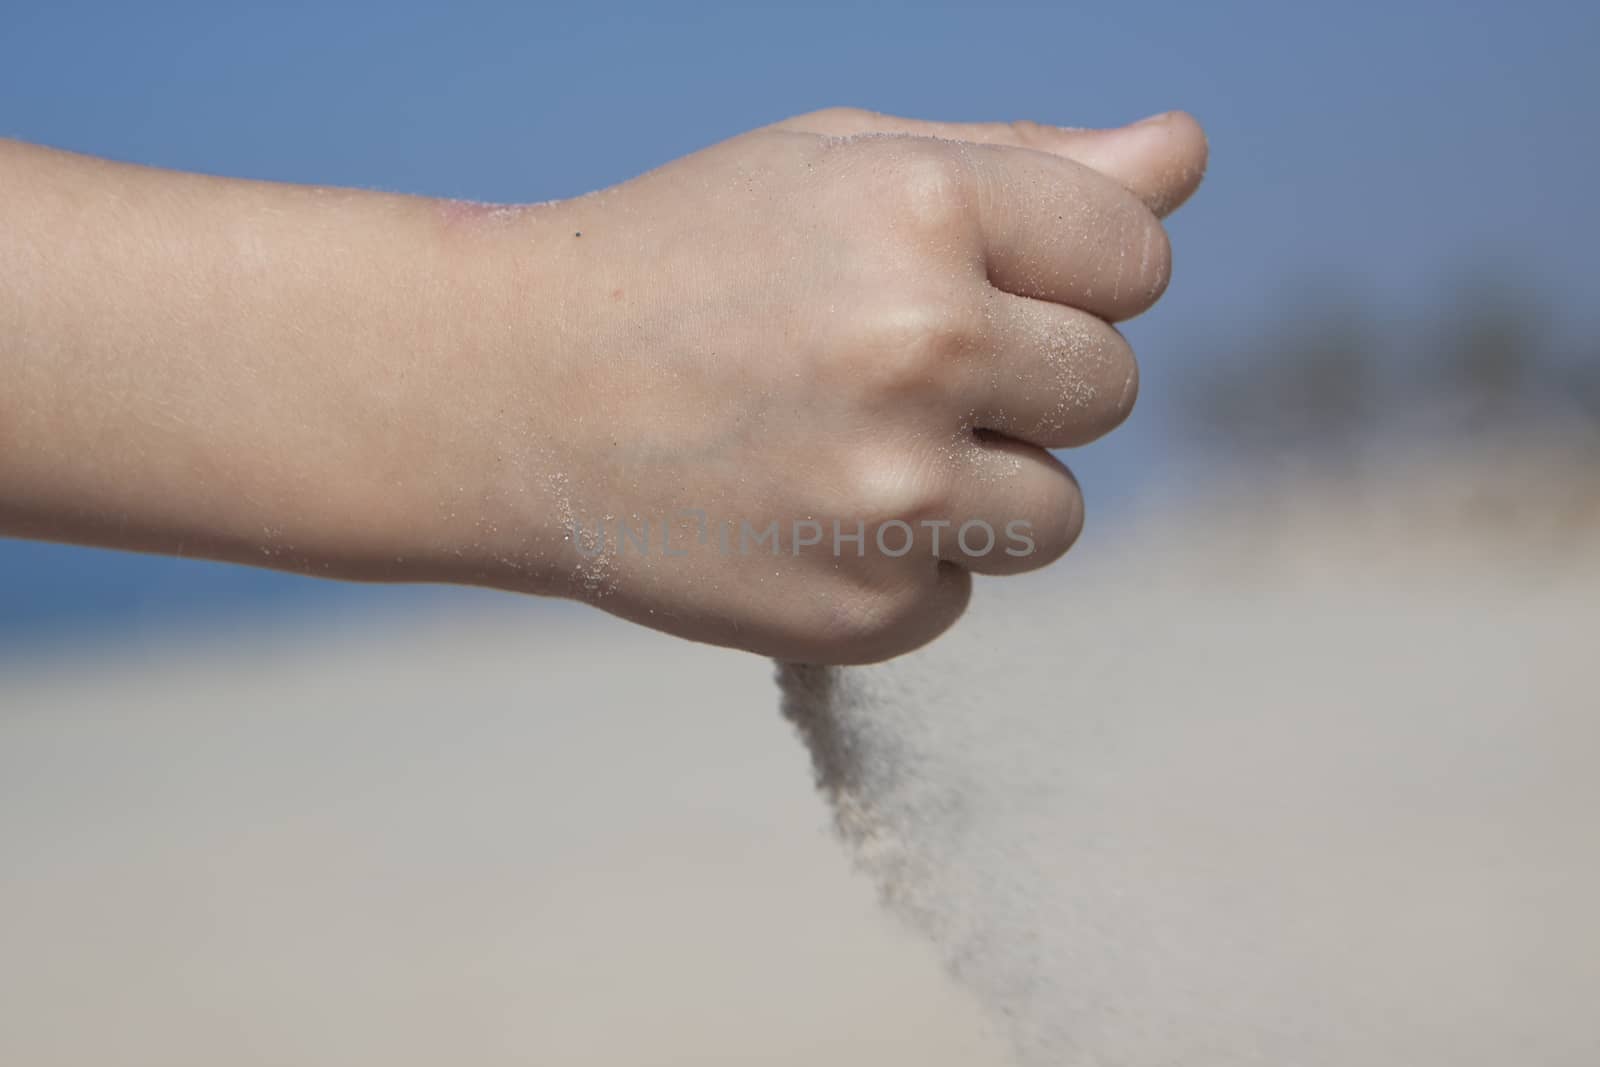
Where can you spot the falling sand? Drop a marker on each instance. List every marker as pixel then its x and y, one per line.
pixel 1305 780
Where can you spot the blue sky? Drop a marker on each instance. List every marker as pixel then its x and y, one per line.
pixel 1391 148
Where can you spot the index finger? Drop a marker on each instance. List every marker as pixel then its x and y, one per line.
pixel 1054 229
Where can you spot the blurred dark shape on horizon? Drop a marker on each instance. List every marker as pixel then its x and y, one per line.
pixel 1331 383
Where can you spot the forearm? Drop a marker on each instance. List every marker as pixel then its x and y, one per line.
pixel 237 370
pixel 840 321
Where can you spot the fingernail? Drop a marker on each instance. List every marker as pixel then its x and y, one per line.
pixel 1153 119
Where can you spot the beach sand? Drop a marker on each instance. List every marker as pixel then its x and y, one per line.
pixel 452 840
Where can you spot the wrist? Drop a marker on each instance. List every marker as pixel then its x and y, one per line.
pixel 471 424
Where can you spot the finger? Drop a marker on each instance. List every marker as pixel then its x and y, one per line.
pixel 932 595
pixel 1055 230
pixel 1016 508
pixel 1051 375
pixel 1161 159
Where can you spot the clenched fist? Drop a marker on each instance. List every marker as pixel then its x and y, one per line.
pixel 789 392
pixel 786 394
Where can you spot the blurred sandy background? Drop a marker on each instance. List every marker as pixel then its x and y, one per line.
pixel 458 840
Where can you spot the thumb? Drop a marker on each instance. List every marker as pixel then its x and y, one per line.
pixel 1161 159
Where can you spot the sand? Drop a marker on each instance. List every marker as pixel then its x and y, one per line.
pixel 433 841
pixel 1292 778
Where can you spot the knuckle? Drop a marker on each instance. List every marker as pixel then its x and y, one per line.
pixel 1032 134
pixel 896 484
pixel 842 114
pixel 876 622
pixel 871 616
pixel 929 190
pixel 914 343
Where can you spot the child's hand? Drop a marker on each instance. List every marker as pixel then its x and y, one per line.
pixel 814 369
pixel 840 318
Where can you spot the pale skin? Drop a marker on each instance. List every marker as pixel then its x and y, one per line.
pixel 843 316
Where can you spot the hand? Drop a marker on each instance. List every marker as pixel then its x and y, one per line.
pixel 842 318
pixel 814 369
